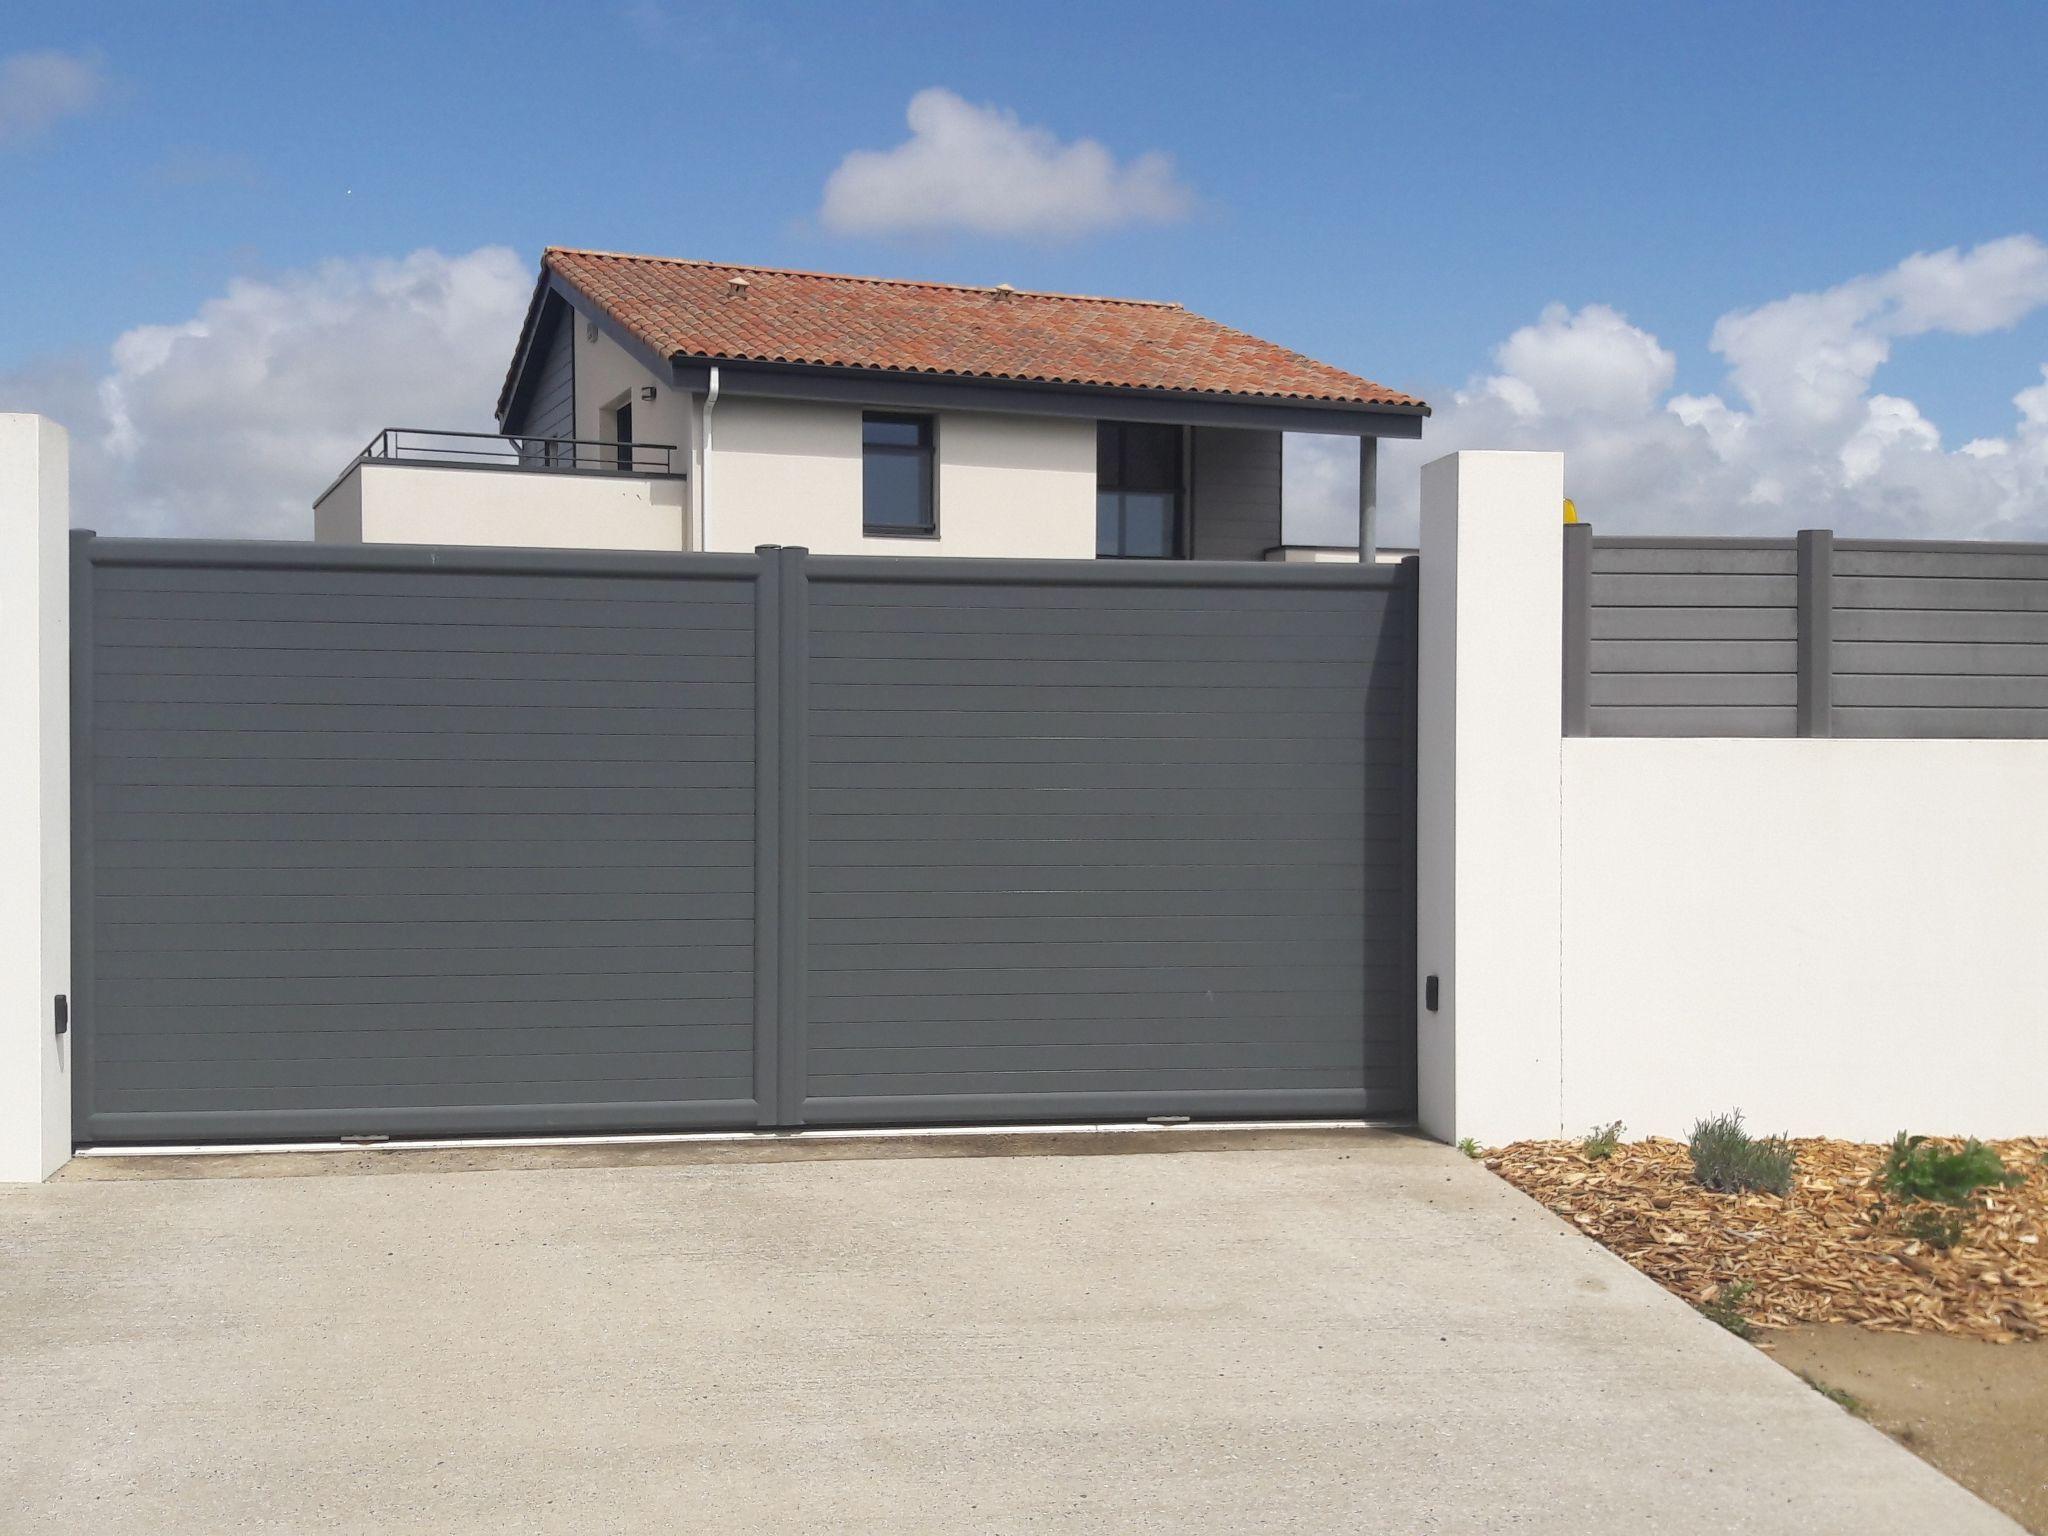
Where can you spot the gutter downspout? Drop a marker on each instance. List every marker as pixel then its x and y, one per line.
pixel 704 467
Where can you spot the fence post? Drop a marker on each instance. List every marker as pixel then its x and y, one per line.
pixel 769 598
pixel 1578 629
pixel 1816 633
pixel 793 876
pixel 35 797
pixel 1489 818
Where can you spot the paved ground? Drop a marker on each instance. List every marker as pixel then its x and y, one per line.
pixel 1343 1333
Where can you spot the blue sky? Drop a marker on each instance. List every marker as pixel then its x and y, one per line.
pixel 1396 189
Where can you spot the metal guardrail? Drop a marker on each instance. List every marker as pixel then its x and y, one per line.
pixel 420 445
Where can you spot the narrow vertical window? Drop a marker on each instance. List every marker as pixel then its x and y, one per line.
pixel 896 475
pixel 624 434
pixel 1138 502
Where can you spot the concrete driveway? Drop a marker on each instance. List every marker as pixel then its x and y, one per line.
pixel 1335 1332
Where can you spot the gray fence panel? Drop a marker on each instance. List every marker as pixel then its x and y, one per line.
pixel 1109 847
pixel 403 847
pixel 1688 638
pixel 1814 637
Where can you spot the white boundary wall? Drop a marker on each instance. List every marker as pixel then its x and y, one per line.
pixel 35 795
pixel 1836 937
pixel 1846 938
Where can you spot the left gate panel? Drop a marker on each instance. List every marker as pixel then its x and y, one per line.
pixel 413 848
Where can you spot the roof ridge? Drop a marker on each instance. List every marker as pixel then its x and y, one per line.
pixel 856 277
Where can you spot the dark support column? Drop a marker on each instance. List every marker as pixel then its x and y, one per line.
pixel 1578 629
pixel 794 875
pixel 1368 500
pixel 768 603
pixel 1816 632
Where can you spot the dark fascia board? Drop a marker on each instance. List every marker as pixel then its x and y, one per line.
pixel 546 313
pixel 879 387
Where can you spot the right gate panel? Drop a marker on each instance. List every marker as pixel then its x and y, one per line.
pixel 1118 841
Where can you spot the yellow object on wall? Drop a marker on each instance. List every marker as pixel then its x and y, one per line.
pixel 1571 510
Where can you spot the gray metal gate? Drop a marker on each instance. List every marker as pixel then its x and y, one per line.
pixel 435 841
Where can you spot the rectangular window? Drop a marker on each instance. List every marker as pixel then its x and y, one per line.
pixel 896 475
pixel 1138 503
pixel 622 433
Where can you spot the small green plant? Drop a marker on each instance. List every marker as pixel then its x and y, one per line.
pixel 1935 1225
pixel 1725 1157
pixel 1468 1146
pixel 1841 1397
pixel 1601 1141
pixel 1725 1308
pixel 1919 1169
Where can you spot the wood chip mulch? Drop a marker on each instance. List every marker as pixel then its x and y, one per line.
pixel 1829 1252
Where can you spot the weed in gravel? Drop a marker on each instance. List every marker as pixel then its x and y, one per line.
pixel 1725 1307
pixel 1841 1397
pixel 1919 1169
pixel 1934 1225
pixel 1601 1141
pixel 1725 1157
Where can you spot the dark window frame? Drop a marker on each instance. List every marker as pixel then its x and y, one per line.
pixel 1116 482
pixel 924 450
pixel 622 432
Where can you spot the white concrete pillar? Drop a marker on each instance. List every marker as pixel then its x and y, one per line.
pixel 1488 877
pixel 35 796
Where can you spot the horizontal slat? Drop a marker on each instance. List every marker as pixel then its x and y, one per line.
pixel 557 984
pixel 1046 1013
pixel 834 719
pixel 1283 1018
pixel 597 726
pixel 1220 680
pixel 689 890
pixel 1669 656
pixel 1953 692
pixel 1158 1078
pixel 560 1071
pixel 249 692
pixel 1248 781
pixel 949 940
pixel 1984 724
pixel 323 942
pixel 303 826
pixel 369 1110
pixel 1379 741
pixel 1691 688
pixel 1146 978
pixel 1058 877
pixel 2007 595
pixel 1935 658
pixel 467 854
pixel 1109 621
pixel 403 907
pixel 505 1017
pixel 1131 806
pixel 1619 623
pixel 1341 1060
pixel 902 912
pixel 1190 697
pixel 653 586
pixel 372 800
pixel 1110 596
pixel 594 639
pixel 1069 853
pixel 1689 591
pixel 556 1117
pixel 1195 649
pixel 1650 720
pixel 728 744
pixel 1948 626
pixel 478 775
pixel 728 604
pixel 709 656
pixel 1394 1097
pixel 684 969
pixel 829 825
pixel 1992 560
pixel 1692 560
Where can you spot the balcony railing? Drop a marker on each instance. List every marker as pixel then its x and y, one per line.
pixel 490 450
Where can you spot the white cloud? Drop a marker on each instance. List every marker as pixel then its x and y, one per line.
pixel 229 423
pixel 40 89
pixel 981 170
pixel 1798 439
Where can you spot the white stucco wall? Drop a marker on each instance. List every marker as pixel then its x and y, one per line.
pixel 1836 937
pixel 386 503
pixel 789 472
pixel 35 796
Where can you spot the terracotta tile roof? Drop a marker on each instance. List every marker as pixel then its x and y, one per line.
pixel 691 309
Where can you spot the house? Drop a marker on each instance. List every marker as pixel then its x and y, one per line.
pixel 655 403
